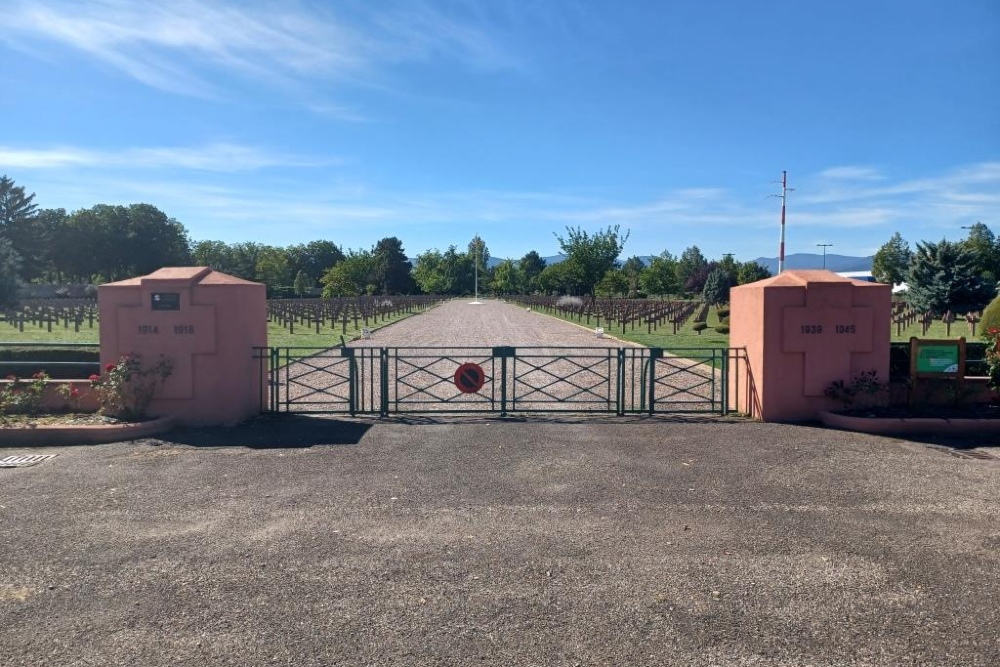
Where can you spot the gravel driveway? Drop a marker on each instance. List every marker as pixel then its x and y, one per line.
pixel 308 541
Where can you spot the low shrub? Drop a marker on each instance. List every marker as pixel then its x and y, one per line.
pixel 991 316
pixel 23 397
pixel 862 391
pixel 126 388
pixel 722 328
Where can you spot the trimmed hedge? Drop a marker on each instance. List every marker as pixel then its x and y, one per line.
pixel 60 363
pixel 991 316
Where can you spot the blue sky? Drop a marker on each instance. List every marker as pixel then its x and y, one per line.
pixel 353 120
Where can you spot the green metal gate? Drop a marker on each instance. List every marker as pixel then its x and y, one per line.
pixel 500 380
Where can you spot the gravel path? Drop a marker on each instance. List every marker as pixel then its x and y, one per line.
pixel 560 366
pixel 316 542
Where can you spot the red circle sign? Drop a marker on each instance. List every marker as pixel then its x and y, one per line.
pixel 469 378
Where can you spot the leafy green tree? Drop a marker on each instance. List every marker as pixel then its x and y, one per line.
pixel 944 276
pixel 986 250
pixel 429 272
pixel 19 225
pixel 459 271
pixel 507 279
pixel 731 267
pixel 114 242
pixel 393 270
pixel 632 270
pixel 892 261
pixel 272 268
pixel 660 277
pixel 717 285
pixel 562 278
pixel 314 258
pixel 9 271
pixel 751 272
pixel 696 281
pixel 74 254
pixel 153 240
pixel 354 276
pixel 15 205
pixel 52 226
pixel 479 254
pixel 244 257
pixel 449 272
pixel 530 266
pixel 590 257
pixel 302 284
pixel 616 282
pixel 691 270
pixel 214 254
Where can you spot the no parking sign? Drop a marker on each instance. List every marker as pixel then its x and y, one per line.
pixel 469 378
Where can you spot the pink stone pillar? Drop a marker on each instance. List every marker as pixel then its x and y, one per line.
pixel 207 323
pixel 803 330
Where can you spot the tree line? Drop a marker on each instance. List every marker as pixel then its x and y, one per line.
pixel 112 242
pixel 945 276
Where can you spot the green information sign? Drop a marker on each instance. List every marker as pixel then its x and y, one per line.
pixel 937 358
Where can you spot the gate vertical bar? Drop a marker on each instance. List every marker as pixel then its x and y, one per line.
pixel 712 383
pixel 654 354
pixel 384 380
pixel 620 384
pixel 652 384
pixel 503 386
pixel 352 380
pixel 272 378
pixel 725 381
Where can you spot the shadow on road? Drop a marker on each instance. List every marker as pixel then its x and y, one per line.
pixel 273 432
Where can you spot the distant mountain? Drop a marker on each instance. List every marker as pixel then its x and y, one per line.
pixel 555 259
pixel 804 260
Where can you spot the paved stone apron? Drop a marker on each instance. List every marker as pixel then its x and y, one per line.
pixel 456 326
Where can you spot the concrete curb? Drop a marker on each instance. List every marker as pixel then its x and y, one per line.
pixel 911 425
pixel 90 434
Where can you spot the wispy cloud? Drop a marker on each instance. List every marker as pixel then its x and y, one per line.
pixel 854 173
pixel 222 157
pixel 968 190
pixel 191 47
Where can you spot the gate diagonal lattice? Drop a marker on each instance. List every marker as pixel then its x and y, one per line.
pixel 396 380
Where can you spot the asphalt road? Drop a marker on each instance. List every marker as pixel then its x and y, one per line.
pixel 297 541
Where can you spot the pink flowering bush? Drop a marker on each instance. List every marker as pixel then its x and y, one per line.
pixel 126 387
pixel 23 397
pixel 992 338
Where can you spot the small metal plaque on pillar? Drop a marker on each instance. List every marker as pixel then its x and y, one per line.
pixel 165 301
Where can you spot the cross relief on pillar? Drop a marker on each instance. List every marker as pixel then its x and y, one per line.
pixel 178 335
pixel 827 330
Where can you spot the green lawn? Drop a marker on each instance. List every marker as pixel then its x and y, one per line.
pixel 685 338
pixel 277 336
pixel 59 334
pixel 688 338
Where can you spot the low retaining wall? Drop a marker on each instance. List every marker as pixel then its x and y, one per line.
pixel 93 434
pixel 54 400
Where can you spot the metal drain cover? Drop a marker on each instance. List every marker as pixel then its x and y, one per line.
pixel 24 460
